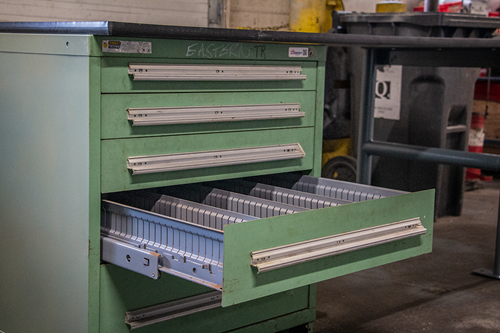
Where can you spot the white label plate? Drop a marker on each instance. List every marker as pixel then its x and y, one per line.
pixel 388 92
pixel 117 46
pixel 298 52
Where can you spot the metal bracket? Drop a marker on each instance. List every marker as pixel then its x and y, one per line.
pixel 130 257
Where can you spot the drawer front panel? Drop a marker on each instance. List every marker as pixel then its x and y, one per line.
pixel 115 78
pixel 115 175
pixel 243 282
pixel 114 122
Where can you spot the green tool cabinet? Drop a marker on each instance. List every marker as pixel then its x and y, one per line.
pixel 81 163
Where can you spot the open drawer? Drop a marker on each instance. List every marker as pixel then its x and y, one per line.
pixel 250 240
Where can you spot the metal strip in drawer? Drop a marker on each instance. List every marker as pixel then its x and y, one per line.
pixel 216 113
pixel 232 201
pixel 279 194
pixel 343 190
pixel 328 187
pixel 176 72
pixel 201 214
pixel 206 159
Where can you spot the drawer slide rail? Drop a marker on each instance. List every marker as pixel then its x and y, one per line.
pixel 170 310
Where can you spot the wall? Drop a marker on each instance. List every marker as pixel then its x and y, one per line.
pixel 369 6
pixel 259 14
pixel 172 12
pixel 274 14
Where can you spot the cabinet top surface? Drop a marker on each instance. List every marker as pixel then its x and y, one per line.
pixel 117 39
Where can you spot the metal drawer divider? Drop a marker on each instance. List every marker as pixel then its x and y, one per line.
pixel 232 201
pixel 279 194
pixel 331 188
pixel 343 190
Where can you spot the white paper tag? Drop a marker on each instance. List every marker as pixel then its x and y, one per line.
pixel 117 46
pixel 388 92
pixel 300 52
pixel 479 7
pixel 476 137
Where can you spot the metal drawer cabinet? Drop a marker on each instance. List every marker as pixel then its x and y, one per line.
pixel 167 200
pixel 138 115
pixel 128 164
pixel 250 240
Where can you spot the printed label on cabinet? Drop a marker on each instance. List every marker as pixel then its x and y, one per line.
pixel 117 46
pixel 298 52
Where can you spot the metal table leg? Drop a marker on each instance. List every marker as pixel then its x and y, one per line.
pixel 366 121
pixel 495 274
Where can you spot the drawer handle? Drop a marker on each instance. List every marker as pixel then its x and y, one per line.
pixel 206 159
pixel 287 255
pixel 215 113
pixel 175 72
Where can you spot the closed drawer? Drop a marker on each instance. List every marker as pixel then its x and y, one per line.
pixel 185 114
pixel 116 78
pixel 250 240
pixel 122 292
pixel 128 164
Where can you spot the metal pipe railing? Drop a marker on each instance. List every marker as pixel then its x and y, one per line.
pixel 431 6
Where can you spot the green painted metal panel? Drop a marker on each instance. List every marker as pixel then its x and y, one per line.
pixel 242 283
pixel 44 192
pixel 116 177
pixel 193 49
pixel 122 291
pixel 116 125
pixel 73 45
pixel 282 323
pixel 115 77
pixel 318 135
pixel 94 192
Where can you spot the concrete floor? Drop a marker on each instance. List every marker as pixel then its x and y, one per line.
pixel 435 292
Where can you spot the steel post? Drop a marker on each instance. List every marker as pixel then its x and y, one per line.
pixel 366 121
pixel 495 274
pixel 431 6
